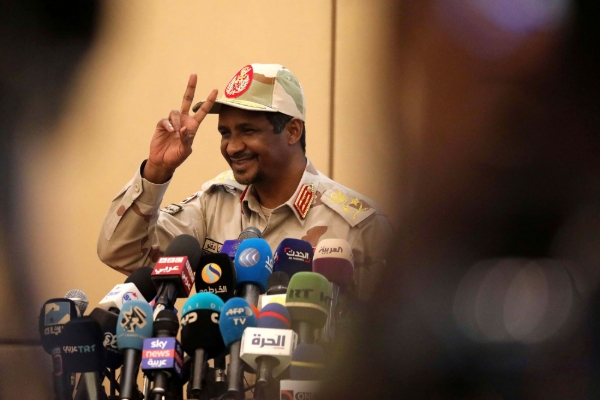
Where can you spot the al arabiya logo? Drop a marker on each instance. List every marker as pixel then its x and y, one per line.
pixel 211 273
pixel 248 257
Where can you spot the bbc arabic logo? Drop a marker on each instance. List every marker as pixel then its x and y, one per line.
pixel 249 257
pixel 132 319
pixel 211 273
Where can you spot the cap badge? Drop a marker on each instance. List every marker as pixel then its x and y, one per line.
pixel 304 199
pixel 240 82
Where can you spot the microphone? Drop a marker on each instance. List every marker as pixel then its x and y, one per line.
pixel 135 325
pixel 143 282
pixel 253 265
pixel 334 260
pixel 200 334
pixel 307 300
pixel 230 246
pixel 113 301
pixel 216 275
pixel 162 356
pixel 306 370
pixel 83 353
pixel 173 273
pixel 277 288
pixel 308 362
pixel 277 283
pixel 236 316
pixel 108 324
pixel 250 232
pixel 80 299
pixel 292 256
pixel 54 314
pixel 268 348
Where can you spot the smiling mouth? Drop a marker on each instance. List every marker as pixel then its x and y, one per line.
pixel 241 162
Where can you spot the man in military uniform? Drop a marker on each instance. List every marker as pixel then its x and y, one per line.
pixel 271 185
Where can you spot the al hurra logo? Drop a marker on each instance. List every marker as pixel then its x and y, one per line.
pixel 240 82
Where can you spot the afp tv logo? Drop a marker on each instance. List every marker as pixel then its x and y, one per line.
pixel 291 395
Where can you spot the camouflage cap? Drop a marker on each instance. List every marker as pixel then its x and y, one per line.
pixel 263 87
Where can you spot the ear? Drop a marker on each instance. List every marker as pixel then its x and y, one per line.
pixel 293 130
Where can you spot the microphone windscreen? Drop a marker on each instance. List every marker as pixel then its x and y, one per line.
pixel 308 363
pixel 236 316
pixel 254 263
pixel 250 232
pixel 185 245
pixel 200 325
pixel 308 297
pixel 141 279
pixel 55 313
pixel 80 299
pixel 292 256
pixel 274 316
pixel 135 325
pixel 230 248
pixel 216 274
pixel 334 260
pixel 108 323
pixel 277 283
pixel 82 347
pixel 166 323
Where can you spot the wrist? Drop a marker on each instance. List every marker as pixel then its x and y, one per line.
pixel 155 173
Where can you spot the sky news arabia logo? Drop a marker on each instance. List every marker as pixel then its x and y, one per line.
pixel 162 353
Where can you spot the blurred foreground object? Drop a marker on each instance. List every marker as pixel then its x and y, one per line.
pixel 41 45
pixel 497 256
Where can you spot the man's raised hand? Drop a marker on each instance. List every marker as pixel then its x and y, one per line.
pixel 172 141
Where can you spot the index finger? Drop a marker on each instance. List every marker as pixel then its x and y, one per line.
pixel 206 106
pixel 188 96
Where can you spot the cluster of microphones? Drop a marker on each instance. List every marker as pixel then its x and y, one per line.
pixel 255 328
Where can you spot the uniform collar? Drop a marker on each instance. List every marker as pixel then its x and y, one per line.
pixel 300 201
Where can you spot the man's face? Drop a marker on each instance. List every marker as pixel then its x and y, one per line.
pixel 250 146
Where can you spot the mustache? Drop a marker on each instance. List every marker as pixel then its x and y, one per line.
pixel 241 156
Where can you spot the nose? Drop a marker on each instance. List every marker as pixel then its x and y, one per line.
pixel 234 145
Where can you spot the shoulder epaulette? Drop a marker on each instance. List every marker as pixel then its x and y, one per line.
pixel 350 205
pixel 175 208
pixel 226 180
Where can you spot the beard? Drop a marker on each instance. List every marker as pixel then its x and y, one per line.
pixel 247 176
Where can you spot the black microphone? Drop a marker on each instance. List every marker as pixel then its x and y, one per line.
pixel 166 325
pixel 278 283
pixel 173 273
pixel 141 279
pixel 55 313
pixel 83 353
pixel 250 232
pixel 216 274
pixel 200 335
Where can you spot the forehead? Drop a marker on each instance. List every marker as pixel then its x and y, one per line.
pixel 231 116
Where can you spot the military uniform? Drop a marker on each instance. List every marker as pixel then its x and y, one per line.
pixel 135 232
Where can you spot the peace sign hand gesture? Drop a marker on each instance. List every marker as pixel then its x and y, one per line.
pixel 172 142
